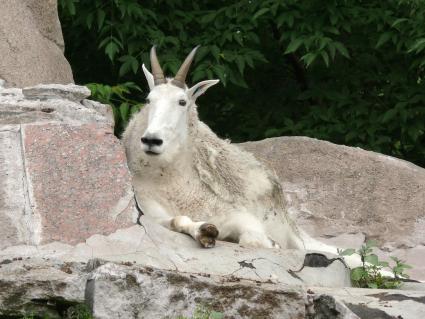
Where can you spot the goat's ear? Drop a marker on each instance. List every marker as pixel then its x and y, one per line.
pixel 200 88
pixel 149 77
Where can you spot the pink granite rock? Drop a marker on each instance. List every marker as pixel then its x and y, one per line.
pixel 63 174
pixel 78 179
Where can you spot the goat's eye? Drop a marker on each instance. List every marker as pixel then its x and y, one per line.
pixel 182 102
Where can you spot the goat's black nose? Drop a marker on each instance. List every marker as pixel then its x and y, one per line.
pixel 151 141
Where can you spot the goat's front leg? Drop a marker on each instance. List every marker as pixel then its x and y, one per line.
pixel 202 232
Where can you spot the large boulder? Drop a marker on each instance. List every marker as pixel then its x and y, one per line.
pixel 64 175
pixel 31 44
pixel 342 195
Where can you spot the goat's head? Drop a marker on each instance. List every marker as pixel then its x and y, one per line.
pixel 169 103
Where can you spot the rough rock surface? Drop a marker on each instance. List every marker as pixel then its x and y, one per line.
pixel 40 286
pixel 135 292
pixel 372 303
pixel 63 174
pixel 127 290
pixel 31 44
pixel 343 194
pixel 152 245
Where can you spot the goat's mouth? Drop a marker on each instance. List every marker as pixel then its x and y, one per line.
pixel 149 152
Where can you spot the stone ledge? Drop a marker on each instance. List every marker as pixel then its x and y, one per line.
pixel 52 103
pixel 71 92
pixel 125 290
pixel 154 246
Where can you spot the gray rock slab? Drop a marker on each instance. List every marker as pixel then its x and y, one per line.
pixel 39 287
pixel 31 44
pixel 126 292
pixel 337 192
pixel 376 303
pixel 52 103
pixel 70 92
pixel 14 207
pixel 154 246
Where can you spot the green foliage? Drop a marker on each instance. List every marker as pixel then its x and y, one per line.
pixel 350 72
pixel 368 274
pixel 79 311
pixel 117 97
pixel 203 312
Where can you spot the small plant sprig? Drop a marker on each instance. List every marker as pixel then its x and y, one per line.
pixel 203 312
pixel 369 274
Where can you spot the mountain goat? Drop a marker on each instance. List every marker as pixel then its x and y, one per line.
pixel 193 182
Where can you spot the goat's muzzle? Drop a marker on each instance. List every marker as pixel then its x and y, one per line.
pixel 151 143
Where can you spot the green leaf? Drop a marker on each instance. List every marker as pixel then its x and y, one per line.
pixel 111 50
pixel 418 46
pixel 325 57
pixel 216 315
pixel 89 20
pixel 293 45
pixel 309 58
pixel 124 111
pixel 220 71
pixel 125 67
pixel 135 109
pixel 100 18
pixel 406 266
pixel 197 75
pixel 342 49
pixel 372 259
pixel 215 51
pixel 332 30
pixel 241 64
pixel 290 21
pixel 134 65
pixel 71 7
pixel 358 273
pixel 260 13
pixel 208 17
pixel 332 50
pixel 389 115
pixel 372 285
pixel 323 42
pixel 371 243
pixel 348 252
pixel 383 39
pixel 398 21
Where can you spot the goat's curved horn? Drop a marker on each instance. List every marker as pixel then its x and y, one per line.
pixel 157 73
pixel 180 78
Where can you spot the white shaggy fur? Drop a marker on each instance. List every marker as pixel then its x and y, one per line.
pixel 194 179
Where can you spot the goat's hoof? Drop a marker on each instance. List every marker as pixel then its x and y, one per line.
pixel 207 235
pixel 275 245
